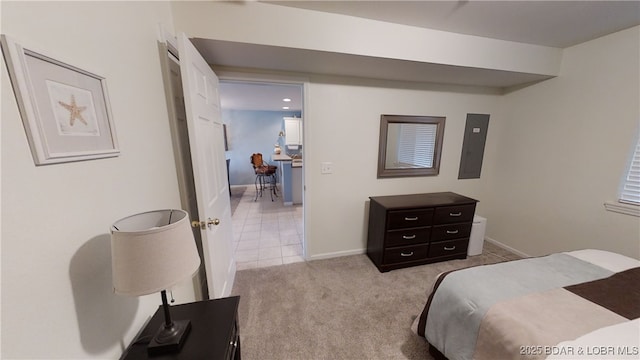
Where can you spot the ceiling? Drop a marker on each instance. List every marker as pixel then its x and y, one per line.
pixel 260 96
pixel 549 23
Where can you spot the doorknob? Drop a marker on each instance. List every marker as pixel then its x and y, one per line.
pixel 204 224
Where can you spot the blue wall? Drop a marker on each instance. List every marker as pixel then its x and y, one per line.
pixel 251 132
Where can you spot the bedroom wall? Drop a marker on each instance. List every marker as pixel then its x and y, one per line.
pixel 57 299
pixel 562 148
pixel 343 114
pixel 342 117
pixel 342 122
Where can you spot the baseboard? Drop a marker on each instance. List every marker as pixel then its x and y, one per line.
pixel 337 254
pixel 506 247
pixel 231 278
pixel 364 251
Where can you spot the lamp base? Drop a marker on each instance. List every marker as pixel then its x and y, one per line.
pixel 169 339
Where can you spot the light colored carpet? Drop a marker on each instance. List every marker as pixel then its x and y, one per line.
pixel 340 308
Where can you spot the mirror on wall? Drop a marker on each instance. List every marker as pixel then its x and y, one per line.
pixel 410 145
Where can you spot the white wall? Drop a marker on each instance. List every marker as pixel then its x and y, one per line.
pixel 542 186
pixel 342 115
pixel 562 148
pixel 57 300
pixel 342 125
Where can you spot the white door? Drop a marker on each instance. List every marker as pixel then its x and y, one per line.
pixel 204 124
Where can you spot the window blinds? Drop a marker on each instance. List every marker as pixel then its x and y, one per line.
pixel 417 145
pixel 631 188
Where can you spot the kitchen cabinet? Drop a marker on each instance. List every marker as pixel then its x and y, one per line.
pixel 293 131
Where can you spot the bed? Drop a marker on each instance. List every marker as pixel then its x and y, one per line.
pixel 579 304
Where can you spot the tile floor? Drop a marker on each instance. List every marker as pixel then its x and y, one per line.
pixel 266 233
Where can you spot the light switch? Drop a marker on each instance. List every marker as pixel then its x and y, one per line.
pixel 327 168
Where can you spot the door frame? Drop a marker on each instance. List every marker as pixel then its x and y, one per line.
pixel 182 160
pixel 170 43
pixel 237 75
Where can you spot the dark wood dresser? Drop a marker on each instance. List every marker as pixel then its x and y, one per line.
pixel 416 229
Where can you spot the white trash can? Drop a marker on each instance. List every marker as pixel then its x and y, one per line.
pixel 476 240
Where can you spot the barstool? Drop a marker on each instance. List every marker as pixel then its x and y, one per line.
pixel 265 176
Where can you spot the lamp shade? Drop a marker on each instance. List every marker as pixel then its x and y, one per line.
pixel 152 251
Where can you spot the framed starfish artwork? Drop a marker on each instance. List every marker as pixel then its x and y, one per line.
pixel 65 110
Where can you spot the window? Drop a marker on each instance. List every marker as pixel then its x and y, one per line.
pixel 629 197
pixel 630 192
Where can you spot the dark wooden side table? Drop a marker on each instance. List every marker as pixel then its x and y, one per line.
pixel 214 331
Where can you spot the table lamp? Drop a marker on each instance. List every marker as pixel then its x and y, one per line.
pixel 151 252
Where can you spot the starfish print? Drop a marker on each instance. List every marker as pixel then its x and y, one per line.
pixel 74 110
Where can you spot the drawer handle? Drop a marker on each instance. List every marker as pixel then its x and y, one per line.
pixel 452 231
pixel 409 237
pixel 411 218
pixel 456 214
pixel 406 255
pixel 449 248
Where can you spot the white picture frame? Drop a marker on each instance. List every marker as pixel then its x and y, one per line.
pixel 65 110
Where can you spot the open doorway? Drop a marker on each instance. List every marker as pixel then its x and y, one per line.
pixel 267 225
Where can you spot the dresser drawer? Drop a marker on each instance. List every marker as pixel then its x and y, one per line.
pixel 234 342
pixel 405 253
pixel 452 231
pixel 400 219
pixel 407 237
pixel 454 214
pixel 451 247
